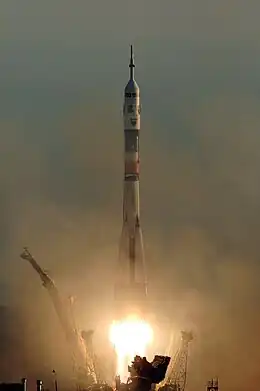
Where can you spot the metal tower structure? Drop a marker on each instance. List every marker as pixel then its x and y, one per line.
pixel 176 375
pixel 87 337
pixel 80 344
pixel 212 385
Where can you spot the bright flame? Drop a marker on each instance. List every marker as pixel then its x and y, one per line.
pixel 130 337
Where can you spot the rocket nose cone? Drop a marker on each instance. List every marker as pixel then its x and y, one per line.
pixel 132 86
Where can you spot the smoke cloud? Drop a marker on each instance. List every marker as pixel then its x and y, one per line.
pixel 61 179
pixel 199 209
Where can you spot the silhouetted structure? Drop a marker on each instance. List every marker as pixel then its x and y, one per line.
pixel 212 385
pixel 14 386
pixel 11 343
pixel 144 373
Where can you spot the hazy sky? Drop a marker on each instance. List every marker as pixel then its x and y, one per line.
pixel 63 67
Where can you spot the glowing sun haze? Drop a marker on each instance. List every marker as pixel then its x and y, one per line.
pixel 130 336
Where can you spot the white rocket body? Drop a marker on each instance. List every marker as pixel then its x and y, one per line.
pixel 132 276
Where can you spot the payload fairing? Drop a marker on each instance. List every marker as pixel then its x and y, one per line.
pixel 131 284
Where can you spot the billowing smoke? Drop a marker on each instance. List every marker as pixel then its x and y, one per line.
pixel 200 222
pixel 61 167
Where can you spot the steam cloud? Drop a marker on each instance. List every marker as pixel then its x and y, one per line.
pixel 61 181
pixel 206 260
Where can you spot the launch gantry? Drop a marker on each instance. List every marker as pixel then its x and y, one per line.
pixel 176 375
pixel 80 344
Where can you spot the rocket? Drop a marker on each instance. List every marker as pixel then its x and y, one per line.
pixel 131 285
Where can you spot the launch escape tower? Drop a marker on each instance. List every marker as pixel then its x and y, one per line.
pixel 131 281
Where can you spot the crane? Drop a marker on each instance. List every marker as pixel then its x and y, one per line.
pixel 79 344
pixel 175 379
